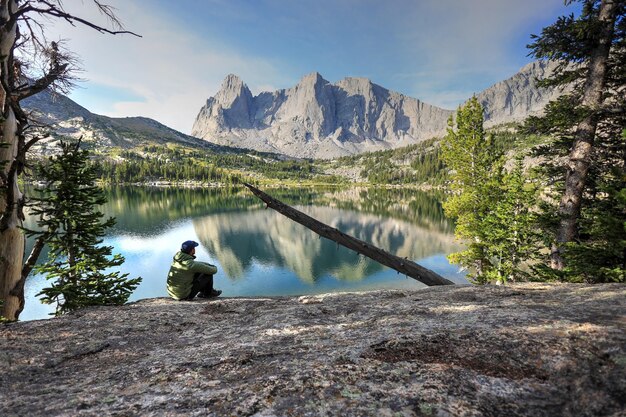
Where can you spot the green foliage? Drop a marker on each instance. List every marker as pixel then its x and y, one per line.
pixel 178 164
pixel 414 164
pixel 468 151
pixel 510 224
pixel 468 154
pixel 597 252
pixel 77 265
pixel 491 206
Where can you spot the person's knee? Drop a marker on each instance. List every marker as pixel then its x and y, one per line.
pixel 205 278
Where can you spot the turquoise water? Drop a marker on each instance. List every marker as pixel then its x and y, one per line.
pixel 259 252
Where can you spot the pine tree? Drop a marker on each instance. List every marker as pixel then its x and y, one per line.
pixel 509 226
pixel 466 152
pixel 491 206
pixel 599 252
pixel 71 225
pixel 30 62
pixel 586 124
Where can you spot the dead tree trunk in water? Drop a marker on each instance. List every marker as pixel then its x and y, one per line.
pixel 409 268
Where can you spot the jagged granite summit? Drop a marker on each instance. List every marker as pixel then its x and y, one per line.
pixel 521 350
pixel 316 118
pixel 322 120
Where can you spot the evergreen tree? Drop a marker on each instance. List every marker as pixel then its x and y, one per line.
pixel 491 206
pixel 30 62
pixel 599 252
pixel 509 226
pixel 71 225
pixel 466 152
pixel 586 125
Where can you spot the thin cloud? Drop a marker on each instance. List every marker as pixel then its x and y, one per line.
pixel 434 50
pixel 171 69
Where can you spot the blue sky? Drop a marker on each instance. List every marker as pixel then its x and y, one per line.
pixel 440 51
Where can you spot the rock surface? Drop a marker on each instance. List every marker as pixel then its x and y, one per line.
pixel 518 97
pixel 531 350
pixel 318 119
pixel 67 118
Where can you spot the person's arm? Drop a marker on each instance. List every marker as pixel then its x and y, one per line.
pixel 202 267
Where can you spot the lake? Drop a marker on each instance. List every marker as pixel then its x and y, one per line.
pixel 258 251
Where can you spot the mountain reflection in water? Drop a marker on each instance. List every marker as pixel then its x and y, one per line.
pixel 261 253
pixel 237 240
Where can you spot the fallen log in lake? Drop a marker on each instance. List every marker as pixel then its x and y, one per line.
pixel 404 266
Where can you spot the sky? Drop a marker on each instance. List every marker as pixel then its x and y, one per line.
pixel 439 51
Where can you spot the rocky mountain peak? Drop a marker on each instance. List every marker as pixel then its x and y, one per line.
pixel 232 82
pixel 232 89
pixel 322 120
pixel 308 109
pixel 231 106
pixel 312 78
pixel 355 82
pixel 360 86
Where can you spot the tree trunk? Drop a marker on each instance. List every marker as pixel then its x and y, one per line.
pixel 579 158
pixel 409 268
pixel 12 239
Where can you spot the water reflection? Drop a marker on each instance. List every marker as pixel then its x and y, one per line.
pixel 238 240
pixel 259 252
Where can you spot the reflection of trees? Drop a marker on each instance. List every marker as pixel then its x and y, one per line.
pixel 233 229
pixel 237 240
pixel 418 207
pixel 142 210
pixel 149 210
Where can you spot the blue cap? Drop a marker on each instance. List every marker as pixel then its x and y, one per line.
pixel 188 245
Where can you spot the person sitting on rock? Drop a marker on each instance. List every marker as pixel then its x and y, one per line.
pixel 189 278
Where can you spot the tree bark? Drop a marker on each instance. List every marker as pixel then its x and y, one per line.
pixel 12 240
pixel 409 268
pixel 579 158
pixel 13 122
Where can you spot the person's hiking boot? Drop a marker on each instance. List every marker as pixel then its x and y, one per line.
pixel 213 293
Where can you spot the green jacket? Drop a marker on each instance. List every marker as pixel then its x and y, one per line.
pixel 180 277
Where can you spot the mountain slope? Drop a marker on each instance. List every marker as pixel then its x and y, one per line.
pixel 518 97
pixel 313 119
pixel 70 119
pixel 322 120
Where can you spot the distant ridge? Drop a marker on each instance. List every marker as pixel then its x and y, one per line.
pixel 70 119
pixel 318 119
pixel 518 97
pixel 314 119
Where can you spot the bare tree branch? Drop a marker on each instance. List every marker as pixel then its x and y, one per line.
pixel 55 10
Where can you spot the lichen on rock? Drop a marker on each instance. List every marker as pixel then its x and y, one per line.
pixel 525 349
